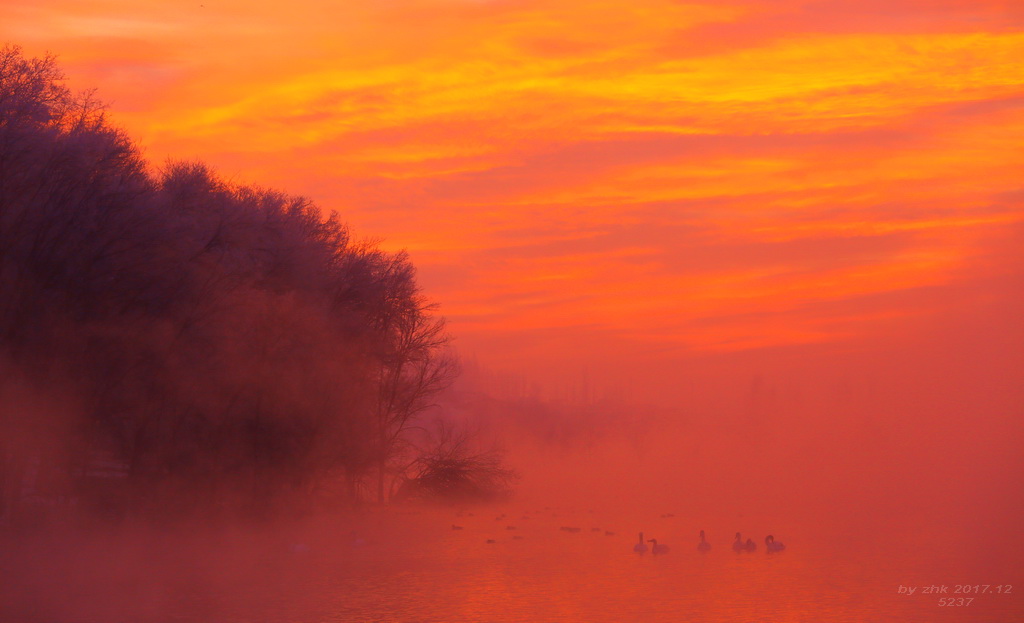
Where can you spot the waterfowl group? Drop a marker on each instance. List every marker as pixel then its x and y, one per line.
pixel 656 547
pixel 739 545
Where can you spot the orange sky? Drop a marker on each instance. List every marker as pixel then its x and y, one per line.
pixel 603 184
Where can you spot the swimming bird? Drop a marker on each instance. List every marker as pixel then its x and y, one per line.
pixel 737 545
pixel 640 547
pixel 750 545
pixel 454 527
pixel 772 545
pixel 703 546
pixel 657 549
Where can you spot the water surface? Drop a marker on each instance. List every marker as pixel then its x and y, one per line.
pixel 412 566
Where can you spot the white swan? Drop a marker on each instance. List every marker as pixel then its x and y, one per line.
pixel 772 545
pixel 750 546
pixel 703 546
pixel 657 549
pixel 737 545
pixel 641 546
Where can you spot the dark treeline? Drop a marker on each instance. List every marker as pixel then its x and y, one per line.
pixel 170 341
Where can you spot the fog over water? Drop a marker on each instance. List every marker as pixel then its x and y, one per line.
pixel 875 483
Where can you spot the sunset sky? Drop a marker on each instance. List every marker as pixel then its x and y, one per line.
pixel 628 190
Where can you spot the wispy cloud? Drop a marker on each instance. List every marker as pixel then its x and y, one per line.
pixel 706 176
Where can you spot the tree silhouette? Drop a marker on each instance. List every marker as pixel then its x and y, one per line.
pixel 221 345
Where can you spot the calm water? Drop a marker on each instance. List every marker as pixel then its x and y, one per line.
pixel 415 567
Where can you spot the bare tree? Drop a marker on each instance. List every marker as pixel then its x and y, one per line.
pixel 415 365
pixel 449 466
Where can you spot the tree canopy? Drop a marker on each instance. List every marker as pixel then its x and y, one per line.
pixel 205 337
